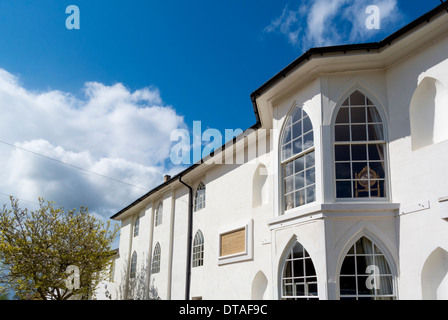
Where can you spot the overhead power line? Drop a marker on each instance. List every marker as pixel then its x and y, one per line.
pixel 73 166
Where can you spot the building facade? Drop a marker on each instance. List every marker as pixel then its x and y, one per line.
pixel 339 191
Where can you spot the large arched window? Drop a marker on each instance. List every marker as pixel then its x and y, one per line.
pixel 198 249
pixel 299 279
pixel 155 265
pixel 159 214
pixel 365 273
pixel 359 149
pixel 199 198
pixel 133 265
pixel 297 158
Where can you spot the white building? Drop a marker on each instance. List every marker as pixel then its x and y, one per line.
pixel 345 197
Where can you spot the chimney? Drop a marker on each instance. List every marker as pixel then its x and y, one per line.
pixel 166 178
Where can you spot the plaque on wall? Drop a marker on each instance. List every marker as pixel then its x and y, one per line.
pixel 233 242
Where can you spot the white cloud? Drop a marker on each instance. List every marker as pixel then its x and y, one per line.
pixel 317 23
pixel 111 131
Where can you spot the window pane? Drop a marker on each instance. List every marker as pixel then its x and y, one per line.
pixel 308 140
pixel 358 114
pixel 385 285
pixel 311 194
pixel 287 135
pixel 375 132
pixel 348 266
pixel 289 201
pixel 373 115
pixel 300 198
pixel 299 164
pixel 359 152
pixel 343 170
pixel 299 180
pixel 310 176
pixel 376 152
pixel 286 151
pixel 300 289
pixel 297 146
pixel 289 184
pixel 357 98
pixel 309 159
pixel 359 132
pixel 343 116
pixel 312 289
pixel 307 126
pixel 309 269
pixel 363 281
pixel 347 285
pixel 298 268
pixel 362 262
pixel 288 169
pixel 297 129
pixel 342 152
pixel 378 168
pixel 342 133
pixel 377 188
pixel 361 189
pixel 360 170
pixel 343 189
pixel 297 115
pixel 297 251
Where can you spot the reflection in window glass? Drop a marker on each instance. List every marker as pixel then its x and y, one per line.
pixel 359 149
pixel 298 163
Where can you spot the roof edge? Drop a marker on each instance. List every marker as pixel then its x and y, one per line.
pixel 348 47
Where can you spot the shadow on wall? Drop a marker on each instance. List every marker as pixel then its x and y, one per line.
pixel 435 276
pixel 429 113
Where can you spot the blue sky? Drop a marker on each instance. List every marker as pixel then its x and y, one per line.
pixel 105 98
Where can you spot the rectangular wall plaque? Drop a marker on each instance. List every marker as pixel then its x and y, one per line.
pixel 233 242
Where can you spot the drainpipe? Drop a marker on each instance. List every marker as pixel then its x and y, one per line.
pixel 190 235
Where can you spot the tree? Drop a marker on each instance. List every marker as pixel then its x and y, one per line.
pixel 40 250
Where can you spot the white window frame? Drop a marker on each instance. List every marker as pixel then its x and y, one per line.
pixel 356 296
pixel 383 142
pixel 302 154
pixel 158 214
pixel 289 258
pixel 198 250
pixel 199 199
pixel 156 258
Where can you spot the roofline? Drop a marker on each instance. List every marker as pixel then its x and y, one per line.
pixel 346 48
pixel 304 57
pixel 183 173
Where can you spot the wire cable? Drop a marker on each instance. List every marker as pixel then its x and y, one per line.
pixel 73 166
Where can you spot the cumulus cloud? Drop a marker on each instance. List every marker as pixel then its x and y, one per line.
pixel 316 23
pixel 109 132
